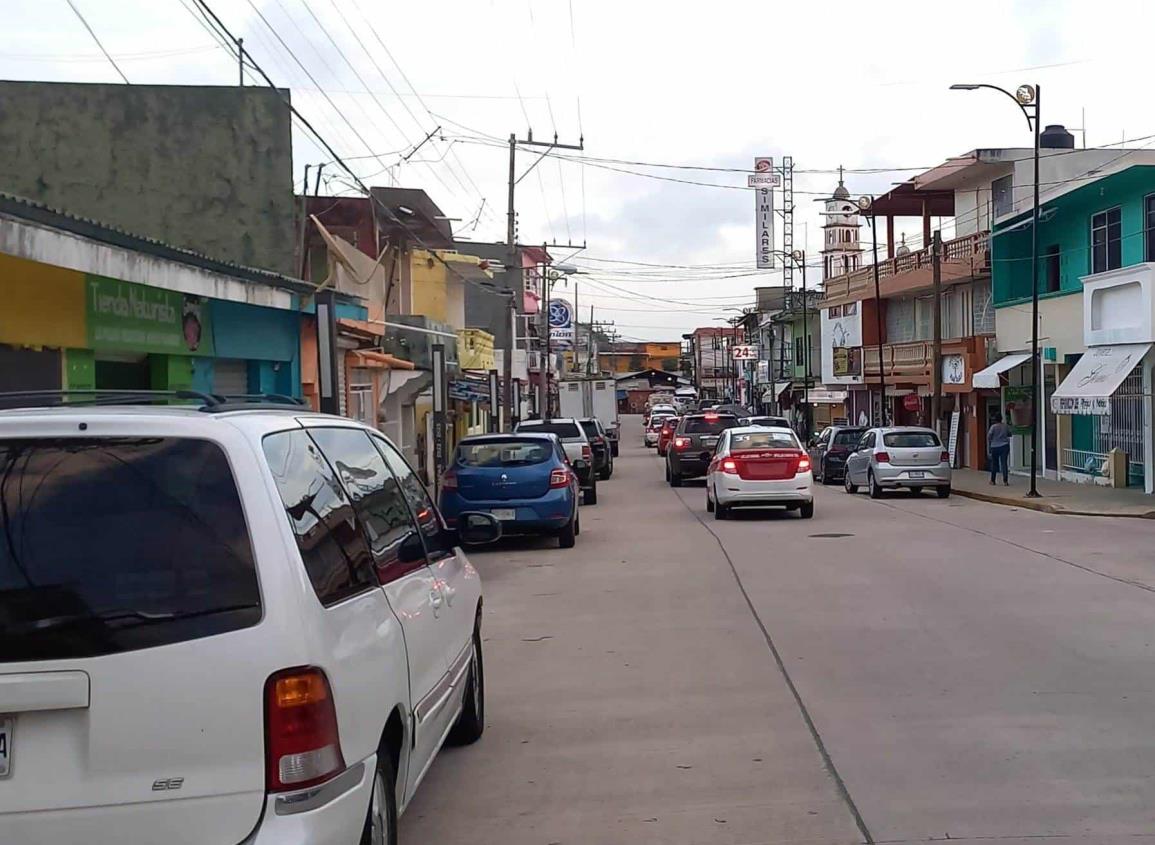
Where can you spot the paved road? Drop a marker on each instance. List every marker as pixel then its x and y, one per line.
pixel 942 670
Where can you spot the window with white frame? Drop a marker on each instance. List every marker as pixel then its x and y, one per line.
pixel 1106 240
pixel 361 395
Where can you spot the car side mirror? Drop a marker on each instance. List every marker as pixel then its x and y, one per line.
pixel 475 528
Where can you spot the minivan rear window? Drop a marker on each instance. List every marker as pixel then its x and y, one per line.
pixel 566 431
pixel 114 544
pixel 708 425
pixel 910 439
pixel 504 453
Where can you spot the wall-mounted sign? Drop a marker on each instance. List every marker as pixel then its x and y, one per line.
pixel 764 213
pixel 912 402
pixel 954 370
pixel 847 361
pixel 138 318
pixel 561 332
pixel 744 353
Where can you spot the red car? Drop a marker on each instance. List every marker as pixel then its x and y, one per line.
pixel 666 434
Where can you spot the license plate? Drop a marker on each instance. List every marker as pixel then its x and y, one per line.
pixel 709 441
pixel 504 513
pixel 5 747
pixel 916 474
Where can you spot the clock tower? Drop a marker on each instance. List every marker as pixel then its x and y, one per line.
pixel 841 250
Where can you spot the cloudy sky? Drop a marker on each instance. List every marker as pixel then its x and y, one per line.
pixel 697 85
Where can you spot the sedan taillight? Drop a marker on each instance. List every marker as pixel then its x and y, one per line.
pixel 302 747
pixel 559 478
pixel 803 465
pixel 729 466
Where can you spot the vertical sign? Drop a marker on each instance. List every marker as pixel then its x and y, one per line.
pixel 952 441
pixel 514 410
pixel 440 400
pixel 495 408
pixel 762 180
pixel 327 353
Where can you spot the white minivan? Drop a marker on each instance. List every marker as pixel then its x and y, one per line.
pixel 224 624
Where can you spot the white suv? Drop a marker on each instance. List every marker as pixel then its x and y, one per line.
pixel 242 626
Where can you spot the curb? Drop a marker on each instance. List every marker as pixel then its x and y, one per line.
pixel 1047 507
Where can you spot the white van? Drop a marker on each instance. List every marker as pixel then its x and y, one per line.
pixel 230 624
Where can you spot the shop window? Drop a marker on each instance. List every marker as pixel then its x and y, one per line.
pixel 1052 277
pixel 1106 241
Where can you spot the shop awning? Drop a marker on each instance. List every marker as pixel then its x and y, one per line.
pixel 989 377
pixel 1087 389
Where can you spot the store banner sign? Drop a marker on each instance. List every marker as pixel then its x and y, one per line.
pixel 137 318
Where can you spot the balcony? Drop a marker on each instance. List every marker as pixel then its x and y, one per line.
pixel 413 336
pixel 962 258
pixel 913 363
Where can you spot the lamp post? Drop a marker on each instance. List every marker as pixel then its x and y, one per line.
pixel 866 205
pixel 1027 98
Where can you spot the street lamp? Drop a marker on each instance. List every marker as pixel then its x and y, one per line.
pixel 865 204
pixel 1027 98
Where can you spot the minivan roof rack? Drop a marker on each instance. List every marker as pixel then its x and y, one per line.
pixel 209 402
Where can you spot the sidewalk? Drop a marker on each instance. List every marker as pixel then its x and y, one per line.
pixel 1059 497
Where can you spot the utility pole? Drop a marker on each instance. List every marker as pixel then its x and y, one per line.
pixel 936 375
pixel 241 61
pixel 805 354
pixel 513 264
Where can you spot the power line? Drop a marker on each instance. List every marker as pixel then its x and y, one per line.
pixel 107 55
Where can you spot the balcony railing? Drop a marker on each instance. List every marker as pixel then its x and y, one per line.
pixel 969 251
pixel 914 362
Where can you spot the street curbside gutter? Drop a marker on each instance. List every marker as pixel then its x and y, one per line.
pixel 1044 506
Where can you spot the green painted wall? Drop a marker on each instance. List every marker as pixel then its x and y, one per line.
pixel 1070 229
pixel 79 369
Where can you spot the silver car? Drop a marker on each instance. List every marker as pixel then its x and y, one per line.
pixel 889 458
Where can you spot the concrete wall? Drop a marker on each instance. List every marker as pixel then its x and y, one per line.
pixel 206 168
pixel 1060 325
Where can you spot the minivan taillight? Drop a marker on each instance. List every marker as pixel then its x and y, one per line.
pixel 301 743
pixel 559 478
pixel 681 443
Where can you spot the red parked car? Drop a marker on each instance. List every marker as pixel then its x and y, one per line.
pixel 666 434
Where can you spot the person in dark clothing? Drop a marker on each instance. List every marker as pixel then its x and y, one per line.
pixel 999 444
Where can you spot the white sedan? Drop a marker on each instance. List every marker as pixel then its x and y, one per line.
pixel 759 467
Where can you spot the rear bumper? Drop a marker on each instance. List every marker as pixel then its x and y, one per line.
pixel 787 491
pixel 651 438
pixel 689 464
pixel 331 814
pixel 892 476
pixel 550 512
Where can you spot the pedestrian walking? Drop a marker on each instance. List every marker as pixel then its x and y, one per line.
pixel 999 445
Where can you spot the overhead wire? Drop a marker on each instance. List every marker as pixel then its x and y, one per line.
pixel 107 55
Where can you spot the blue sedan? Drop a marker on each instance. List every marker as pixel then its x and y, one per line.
pixel 523 479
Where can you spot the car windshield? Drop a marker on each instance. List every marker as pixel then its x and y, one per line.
pixel 763 440
pixel 117 544
pixel 708 425
pixel 503 453
pixel 848 437
pixel 564 430
pixel 910 439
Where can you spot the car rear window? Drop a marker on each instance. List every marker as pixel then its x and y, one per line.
pixel 769 422
pixel 708 425
pixel 110 545
pixel 504 453
pixel 566 431
pixel 848 436
pixel 764 440
pixel 910 439
pixel 590 428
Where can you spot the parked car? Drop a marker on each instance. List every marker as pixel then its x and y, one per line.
pixel 830 449
pixel 522 479
pixel 577 447
pixel 765 422
pixel 889 458
pixel 692 448
pixel 759 467
pixel 666 434
pixel 226 627
pixel 600 444
pixel 654 426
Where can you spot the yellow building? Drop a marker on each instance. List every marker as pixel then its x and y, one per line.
pixel 475 350
pixel 649 355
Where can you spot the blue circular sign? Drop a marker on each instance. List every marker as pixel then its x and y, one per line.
pixel 560 315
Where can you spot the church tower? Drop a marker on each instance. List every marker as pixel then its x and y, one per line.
pixel 841 251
